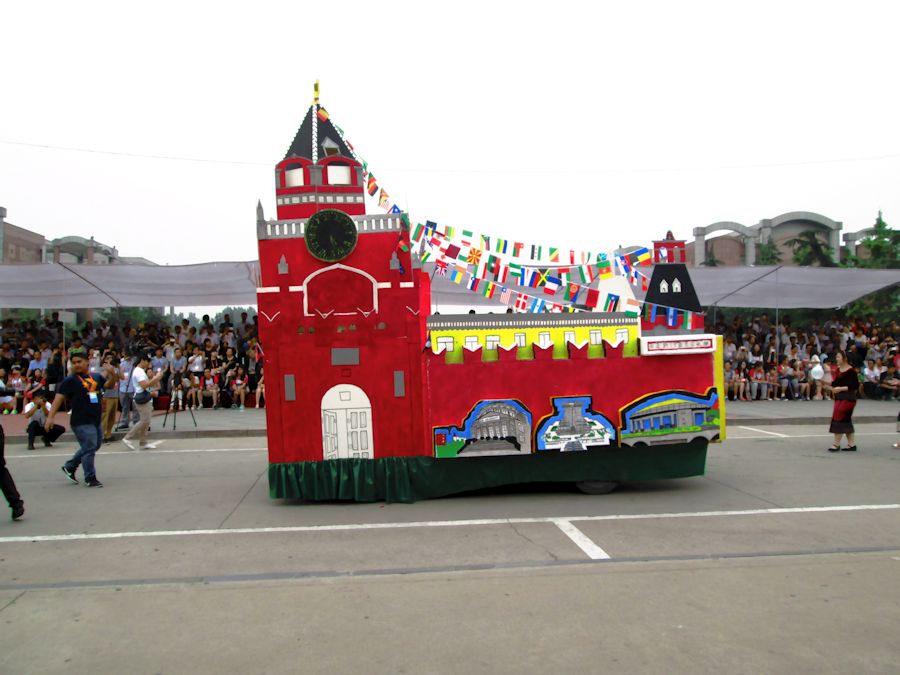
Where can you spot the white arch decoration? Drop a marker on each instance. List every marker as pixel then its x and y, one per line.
pixel 332 268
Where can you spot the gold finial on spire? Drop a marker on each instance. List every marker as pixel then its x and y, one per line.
pixel 316 93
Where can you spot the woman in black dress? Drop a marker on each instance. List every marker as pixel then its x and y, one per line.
pixel 844 387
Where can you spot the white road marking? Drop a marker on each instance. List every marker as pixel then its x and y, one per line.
pixel 127 453
pixel 581 540
pixel 442 523
pixel 763 431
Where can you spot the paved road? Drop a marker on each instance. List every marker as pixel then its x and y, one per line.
pixel 782 558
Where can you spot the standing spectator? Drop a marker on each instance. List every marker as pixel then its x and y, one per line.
pixel 143 401
pixel 7 484
pixel 55 371
pixel 844 387
pixel 160 364
pixel 36 411
pixel 82 391
pixel 110 372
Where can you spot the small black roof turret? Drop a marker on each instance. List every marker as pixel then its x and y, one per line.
pixel 671 286
pixel 317 125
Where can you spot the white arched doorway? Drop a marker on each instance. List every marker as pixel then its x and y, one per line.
pixel 346 423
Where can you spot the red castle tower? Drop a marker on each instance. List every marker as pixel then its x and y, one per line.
pixel 342 312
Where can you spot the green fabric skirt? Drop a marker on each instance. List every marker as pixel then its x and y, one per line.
pixel 408 479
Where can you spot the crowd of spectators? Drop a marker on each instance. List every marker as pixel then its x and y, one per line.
pixel 222 364
pixel 765 361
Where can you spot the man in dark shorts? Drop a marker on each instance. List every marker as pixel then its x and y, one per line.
pixel 7 484
pixel 82 390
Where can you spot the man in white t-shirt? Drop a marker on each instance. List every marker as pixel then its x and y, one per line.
pixel 36 412
pixel 143 402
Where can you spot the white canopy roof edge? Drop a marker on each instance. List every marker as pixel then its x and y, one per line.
pixel 64 286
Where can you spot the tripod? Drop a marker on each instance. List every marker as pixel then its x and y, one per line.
pixel 175 416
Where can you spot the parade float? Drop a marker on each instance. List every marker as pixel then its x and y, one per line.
pixel 373 396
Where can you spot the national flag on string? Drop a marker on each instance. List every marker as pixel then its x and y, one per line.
pixel 551 285
pixel 671 317
pixel 515 271
pixel 441 267
pixel 472 283
pixel 396 209
pixel 505 296
pixel 592 299
pixel 663 253
pixel 554 255
pixel 450 231
pixel 450 251
pixel 633 276
pixel 603 266
pixel 487 289
pixel 501 274
pixel 485 242
pixel 537 305
pixel 632 307
pixel 426 255
pixel 645 283
pixel 543 275
pixel 688 319
pixel 572 257
pixel 521 302
pixel 456 276
pixel 418 232
pixel 517 248
pixel 493 264
pixel 571 292
pixel 467 237
pixel 372 186
pixel 535 252
pixel 322 114
pixel 642 255
pixel 500 246
pixel 622 264
pixel 612 300
pixel 474 256
pixel 383 199
pixel 430 227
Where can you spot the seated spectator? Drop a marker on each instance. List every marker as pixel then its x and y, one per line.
pixel 7 403
pixel 759 389
pixel 889 383
pixel 17 382
pixel 210 388
pixel 36 412
pixel 191 384
pixel 35 384
pixel 871 381
pixel 239 388
pixel 787 378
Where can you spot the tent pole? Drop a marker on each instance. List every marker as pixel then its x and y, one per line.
pixel 777 323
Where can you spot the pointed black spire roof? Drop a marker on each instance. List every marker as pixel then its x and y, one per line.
pixel 326 134
pixel 685 299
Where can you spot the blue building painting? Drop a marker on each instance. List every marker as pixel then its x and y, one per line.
pixel 573 426
pixel 494 427
pixel 670 417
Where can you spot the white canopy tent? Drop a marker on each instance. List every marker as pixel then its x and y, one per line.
pixel 64 286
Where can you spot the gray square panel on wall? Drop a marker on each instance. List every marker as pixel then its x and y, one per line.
pixel 290 393
pixel 399 384
pixel 345 356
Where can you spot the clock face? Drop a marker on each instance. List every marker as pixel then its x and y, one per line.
pixel 330 235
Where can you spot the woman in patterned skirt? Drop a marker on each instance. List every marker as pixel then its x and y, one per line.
pixel 844 386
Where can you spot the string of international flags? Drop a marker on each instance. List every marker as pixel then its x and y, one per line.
pixel 497 261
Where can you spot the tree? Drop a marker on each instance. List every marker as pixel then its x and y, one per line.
pixel 882 248
pixel 710 260
pixel 810 250
pixel 769 253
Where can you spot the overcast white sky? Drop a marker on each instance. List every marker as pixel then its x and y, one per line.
pixel 587 124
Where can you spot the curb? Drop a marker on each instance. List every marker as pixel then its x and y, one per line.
pixel 809 421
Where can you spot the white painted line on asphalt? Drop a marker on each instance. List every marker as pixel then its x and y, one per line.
pixel 129 453
pixel 763 431
pixel 441 523
pixel 581 540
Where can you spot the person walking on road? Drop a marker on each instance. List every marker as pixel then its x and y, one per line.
pixel 82 391
pixel 13 498
pixel 844 387
pixel 143 402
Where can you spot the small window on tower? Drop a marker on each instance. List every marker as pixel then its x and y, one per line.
pixel 338 174
pixel 330 148
pixel 293 177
